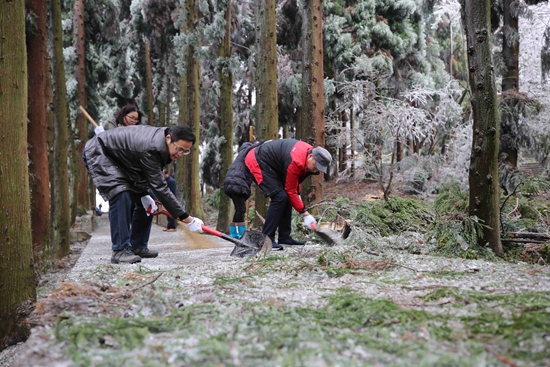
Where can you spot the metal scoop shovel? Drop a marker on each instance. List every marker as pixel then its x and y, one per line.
pixel 250 244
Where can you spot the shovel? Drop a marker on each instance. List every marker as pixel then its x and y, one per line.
pixel 329 238
pixel 250 244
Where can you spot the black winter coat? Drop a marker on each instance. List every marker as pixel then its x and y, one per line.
pixel 239 179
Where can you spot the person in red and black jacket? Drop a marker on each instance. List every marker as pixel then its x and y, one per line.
pixel 278 168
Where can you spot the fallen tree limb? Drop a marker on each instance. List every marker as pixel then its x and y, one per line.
pixel 521 240
pixel 531 235
pixel 146 284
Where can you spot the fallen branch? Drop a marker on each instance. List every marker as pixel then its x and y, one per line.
pixel 531 235
pixel 261 218
pixel 521 240
pixel 499 357
pixel 146 284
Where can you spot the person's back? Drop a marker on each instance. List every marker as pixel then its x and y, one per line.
pixel 132 150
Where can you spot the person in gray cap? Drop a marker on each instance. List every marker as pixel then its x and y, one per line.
pixel 278 167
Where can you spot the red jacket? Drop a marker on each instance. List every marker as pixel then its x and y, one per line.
pixel 280 165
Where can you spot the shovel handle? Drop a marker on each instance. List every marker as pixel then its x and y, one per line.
pixel 225 237
pixel 211 231
pixel 87 116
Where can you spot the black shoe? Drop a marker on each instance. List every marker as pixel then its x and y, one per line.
pixel 145 252
pixel 291 242
pixel 275 246
pixel 124 256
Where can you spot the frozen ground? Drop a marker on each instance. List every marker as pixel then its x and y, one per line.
pixel 196 305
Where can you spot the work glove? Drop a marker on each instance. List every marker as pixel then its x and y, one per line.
pixel 98 130
pixel 148 204
pixel 195 225
pixel 309 220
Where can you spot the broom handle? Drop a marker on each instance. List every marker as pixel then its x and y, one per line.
pixel 88 116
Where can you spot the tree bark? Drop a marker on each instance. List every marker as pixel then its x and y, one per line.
pixel 39 174
pixel 82 197
pixel 194 205
pixel 17 285
pixel 182 166
pixel 313 98
pixel 266 85
pixel 226 121
pixel 60 200
pixel 510 80
pixel 149 77
pixel 483 171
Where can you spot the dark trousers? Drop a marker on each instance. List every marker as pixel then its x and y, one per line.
pixel 171 223
pixel 278 217
pixel 130 224
pixel 239 201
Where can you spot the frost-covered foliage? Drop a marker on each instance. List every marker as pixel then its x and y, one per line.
pixel 424 116
pixel 393 96
pixel 534 127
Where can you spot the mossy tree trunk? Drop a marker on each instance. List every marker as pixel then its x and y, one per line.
pixel 182 164
pixel 226 120
pixel 483 172
pixel 61 215
pixel 149 78
pixel 510 80
pixel 37 136
pixel 194 203
pixel 266 85
pixel 82 197
pixel 313 99
pixel 17 286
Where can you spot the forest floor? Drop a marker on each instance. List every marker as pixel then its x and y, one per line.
pixel 355 304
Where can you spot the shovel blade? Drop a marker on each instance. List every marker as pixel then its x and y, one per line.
pixel 329 238
pixel 255 241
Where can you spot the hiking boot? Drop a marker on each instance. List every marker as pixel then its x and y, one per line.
pixel 124 256
pixel 145 252
pixel 290 242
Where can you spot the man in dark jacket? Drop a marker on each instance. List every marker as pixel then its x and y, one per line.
pixel 124 163
pixel 278 167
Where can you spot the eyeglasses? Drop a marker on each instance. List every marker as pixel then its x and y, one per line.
pixel 135 119
pixel 180 150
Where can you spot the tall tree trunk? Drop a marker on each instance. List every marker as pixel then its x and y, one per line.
pixel 510 80
pixel 149 77
pixel 168 97
pixel 39 174
pixel 60 201
pixel 266 85
pixel 352 142
pixel 313 98
pixel 162 113
pixel 194 204
pixel 182 164
pixel 82 198
pixel 483 173
pixel 17 284
pixel 226 121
